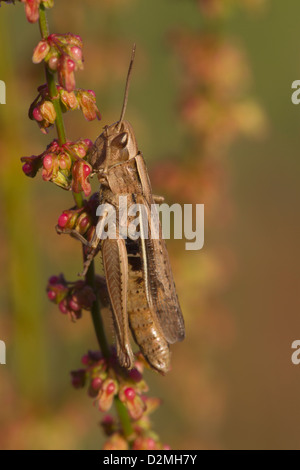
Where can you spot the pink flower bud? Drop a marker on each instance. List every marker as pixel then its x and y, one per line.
pixel 133 402
pixel 81 152
pixel 36 114
pixel 70 65
pixel 87 103
pixel 89 143
pixel 31 165
pixel 65 161
pixel 80 172
pixel 62 307
pixel 51 295
pixel 135 375
pixel 129 393
pixel 106 394
pixel 53 62
pixel 27 168
pixel 40 51
pixel 66 77
pixel 47 162
pixel 67 219
pixel 63 220
pixel 76 53
pixel 48 111
pixel 86 170
pixel 69 99
pixel 73 305
pixel 53 280
pixel 85 359
pixel 78 38
pixel 96 383
pixel 31 10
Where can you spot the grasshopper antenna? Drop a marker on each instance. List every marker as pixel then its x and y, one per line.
pixel 127 84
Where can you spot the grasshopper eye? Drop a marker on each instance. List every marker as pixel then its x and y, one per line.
pixel 120 141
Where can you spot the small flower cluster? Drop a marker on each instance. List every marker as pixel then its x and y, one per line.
pixel 32 8
pixel 63 54
pixel 42 109
pixel 71 297
pixel 82 219
pixel 107 380
pixel 65 165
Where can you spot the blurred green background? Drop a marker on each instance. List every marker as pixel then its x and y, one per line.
pixel 232 380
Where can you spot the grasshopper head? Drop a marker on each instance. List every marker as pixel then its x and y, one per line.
pixel 116 144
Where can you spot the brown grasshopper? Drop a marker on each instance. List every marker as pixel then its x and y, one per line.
pixel 138 273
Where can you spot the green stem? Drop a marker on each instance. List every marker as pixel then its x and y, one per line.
pixel 95 312
pixel 90 276
pixel 124 419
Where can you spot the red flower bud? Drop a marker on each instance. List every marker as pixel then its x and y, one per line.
pixel 32 165
pixel 132 401
pixel 65 161
pixel 32 10
pixel 63 220
pixel 40 51
pixel 63 307
pixel 80 172
pixel 129 393
pixel 96 383
pixel 36 113
pixel 76 53
pixel 87 103
pixel 48 112
pixel 51 295
pixel 106 394
pixel 66 68
pixel 69 99
pixel 53 280
pixel 27 168
pixel 73 305
pixel 53 62
pixel 48 161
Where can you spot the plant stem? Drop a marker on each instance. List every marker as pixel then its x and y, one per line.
pixel 124 419
pixel 90 276
pixel 59 122
pixel 95 312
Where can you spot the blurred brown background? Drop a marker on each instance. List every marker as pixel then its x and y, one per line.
pixel 210 101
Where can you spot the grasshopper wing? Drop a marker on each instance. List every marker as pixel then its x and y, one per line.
pixel 161 291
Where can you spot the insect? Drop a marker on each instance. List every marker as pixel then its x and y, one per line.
pixel 138 272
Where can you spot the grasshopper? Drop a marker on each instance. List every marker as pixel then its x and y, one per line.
pixel 138 272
